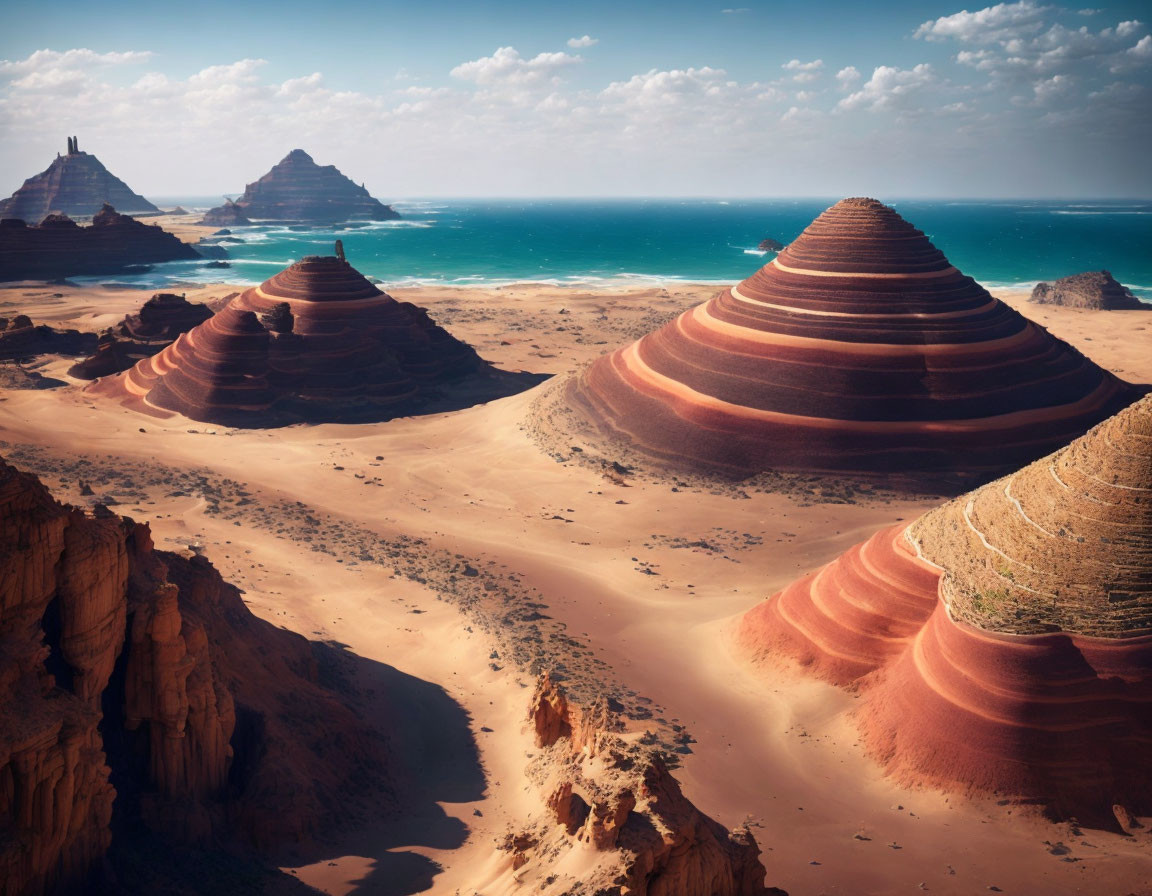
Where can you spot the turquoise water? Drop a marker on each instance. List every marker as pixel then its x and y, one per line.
pixel 601 242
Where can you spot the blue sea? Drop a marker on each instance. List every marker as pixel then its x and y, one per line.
pixel 605 242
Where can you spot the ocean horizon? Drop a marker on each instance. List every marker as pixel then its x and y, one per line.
pixel 621 242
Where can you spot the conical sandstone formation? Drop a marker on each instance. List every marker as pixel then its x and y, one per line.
pixel 315 342
pixel 858 350
pixel 138 693
pixel 76 184
pixel 299 190
pixel 1003 642
pixel 59 247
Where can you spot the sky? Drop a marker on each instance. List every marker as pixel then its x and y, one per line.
pixel 769 99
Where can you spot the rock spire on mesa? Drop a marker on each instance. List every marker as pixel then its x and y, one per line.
pixel 1002 642
pixel 859 349
pixel 76 184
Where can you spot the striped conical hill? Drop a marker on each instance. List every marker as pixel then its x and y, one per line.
pixel 316 342
pixel 858 350
pixel 1002 642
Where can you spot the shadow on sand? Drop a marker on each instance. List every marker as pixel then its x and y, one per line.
pixel 433 759
pixel 429 758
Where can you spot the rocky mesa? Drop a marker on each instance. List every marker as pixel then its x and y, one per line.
pixel 58 247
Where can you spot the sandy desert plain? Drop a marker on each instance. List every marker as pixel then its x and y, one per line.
pixel 478 548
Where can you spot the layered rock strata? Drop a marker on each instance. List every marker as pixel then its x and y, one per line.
pixel 858 350
pixel 59 247
pixel 1002 642
pixel 299 190
pixel 158 322
pixel 1094 290
pixel 137 690
pixel 316 342
pixel 615 818
pixel 76 184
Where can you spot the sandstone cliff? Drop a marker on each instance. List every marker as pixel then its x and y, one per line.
pixel 59 247
pixel 75 184
pixel 137 693
pixel 1097 290
pixel 615 819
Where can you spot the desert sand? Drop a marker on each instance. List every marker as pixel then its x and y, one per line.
pixel 460 550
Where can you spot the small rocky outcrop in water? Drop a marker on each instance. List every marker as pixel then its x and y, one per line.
pixel 227 215
pixel 770 245
pixel 76 184
pixel 59 247
pixel 1097 290
pixel 140 698
pixel 141 335
pixel 297 189
pixel 604 791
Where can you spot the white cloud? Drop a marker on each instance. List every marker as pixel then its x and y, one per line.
pixel 1004 21
pixel 848 76
pixel 44 60
pixel 656 88
pixel 511 124
pixel 1089 12
pixel 1052 89
pixel 507 66
pixel 1143 48
pixel 245 70
pixel 585 41
pixel 804 72
pixel 893 88
pixel 795 65
pixel 735 12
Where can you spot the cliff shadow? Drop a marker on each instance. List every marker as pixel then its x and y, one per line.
pixel 433 759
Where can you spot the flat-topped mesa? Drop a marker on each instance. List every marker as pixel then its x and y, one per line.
pixel 317 341
pixel 158 322
pixel 1096 290
pixel 858 350
pixel 1002 642
pixel 59 247
pixel 299 190
pixel 76 184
